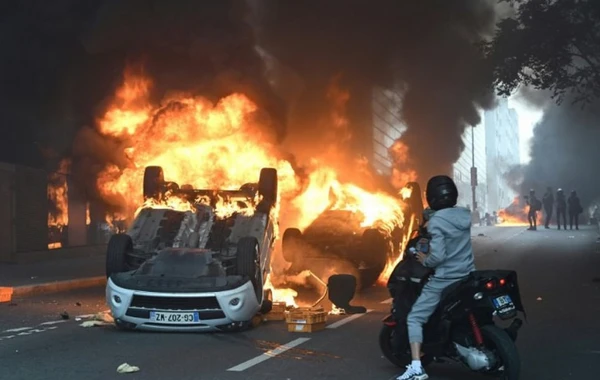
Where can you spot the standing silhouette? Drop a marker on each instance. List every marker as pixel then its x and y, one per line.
pixel 574 209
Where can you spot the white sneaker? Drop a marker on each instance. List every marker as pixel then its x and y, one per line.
pixel 413 373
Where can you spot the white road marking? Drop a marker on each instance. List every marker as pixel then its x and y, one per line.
pixel 29 332
pixel 388 301
pixel 268 355
pixel 346 320
pixel 25 331
pixel 17 329
pixel 52 322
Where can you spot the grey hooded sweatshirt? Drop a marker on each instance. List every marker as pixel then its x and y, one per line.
pixel 451 253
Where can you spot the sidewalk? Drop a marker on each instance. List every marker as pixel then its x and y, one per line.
pixel 56 274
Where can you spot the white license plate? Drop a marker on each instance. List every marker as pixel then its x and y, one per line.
pixel 159 316
pixel 502 301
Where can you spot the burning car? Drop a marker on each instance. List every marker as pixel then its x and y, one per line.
pixel 342 240
pixel 200 268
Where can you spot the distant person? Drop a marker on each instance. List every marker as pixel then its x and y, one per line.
pixel 548 201
pixel 495 218
pixel 535 205
pixel 561 208
pixel 574 209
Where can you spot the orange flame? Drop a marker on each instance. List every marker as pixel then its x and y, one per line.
pixel 88 220
pixel 57 190
pixel 516 215
pixel 222 145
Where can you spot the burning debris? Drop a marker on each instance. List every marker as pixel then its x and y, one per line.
pixel 58 205
pixel 222 145
pixel 203 145
pixel 516 214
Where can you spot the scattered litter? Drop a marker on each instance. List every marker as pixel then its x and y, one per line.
pixel 539 298
pixel 99 319
pixel 94 323
pixel 126 368
pixel 77 319
pixel 480 234
pixel 64 315
pixel 104 317
pixel 77 303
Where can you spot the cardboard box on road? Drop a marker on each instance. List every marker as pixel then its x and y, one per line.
pixel 306 319
pixel 277 312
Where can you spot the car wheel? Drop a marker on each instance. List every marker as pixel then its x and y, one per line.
pixel 268 186
pixel 116 253
pixel 154 180
pixel 267 303
pixel 292 237
pixel 247 264
pixel 375 248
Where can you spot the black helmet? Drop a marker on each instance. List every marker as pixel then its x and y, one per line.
pixel 441 192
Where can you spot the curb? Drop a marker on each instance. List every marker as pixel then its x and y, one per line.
pixel 57 286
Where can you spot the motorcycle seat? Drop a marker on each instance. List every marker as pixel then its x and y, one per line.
pixel 450 289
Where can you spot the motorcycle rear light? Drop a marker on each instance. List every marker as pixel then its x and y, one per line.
pixel 489 285
pixel 502 282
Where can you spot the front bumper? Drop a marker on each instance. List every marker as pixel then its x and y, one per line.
pixel 216 311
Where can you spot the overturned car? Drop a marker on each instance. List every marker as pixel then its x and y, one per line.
pixel 337 243
pixel 200 269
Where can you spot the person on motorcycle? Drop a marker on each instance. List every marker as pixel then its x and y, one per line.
pixel 451 256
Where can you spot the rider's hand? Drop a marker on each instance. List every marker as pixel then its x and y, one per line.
pixel 421 257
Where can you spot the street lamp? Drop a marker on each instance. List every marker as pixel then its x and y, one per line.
pixel 473 170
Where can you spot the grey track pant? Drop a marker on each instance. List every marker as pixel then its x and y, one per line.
pixel 424 306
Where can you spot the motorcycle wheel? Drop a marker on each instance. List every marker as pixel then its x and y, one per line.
pixel 499 342
pixel 401 358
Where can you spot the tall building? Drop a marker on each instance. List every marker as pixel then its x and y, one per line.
pixel 474 140
pixel 502 128
pixel 387 127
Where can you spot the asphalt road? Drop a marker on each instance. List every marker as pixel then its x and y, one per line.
pixel 561 339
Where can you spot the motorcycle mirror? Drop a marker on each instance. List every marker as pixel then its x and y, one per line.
pixel 341 289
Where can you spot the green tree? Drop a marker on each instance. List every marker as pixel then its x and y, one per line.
pixel 549 45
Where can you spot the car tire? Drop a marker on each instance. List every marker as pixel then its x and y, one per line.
pixel 247 264
pixel 292 237
pixel 375 247
pixel 267 303
pixel 154 180
pixel 268 186
pixel 116 253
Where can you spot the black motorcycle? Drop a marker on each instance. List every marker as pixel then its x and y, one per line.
pixel 462 328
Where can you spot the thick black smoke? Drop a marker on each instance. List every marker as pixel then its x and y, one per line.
pixel 61 60
pixel 565 152
pixel 426 46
